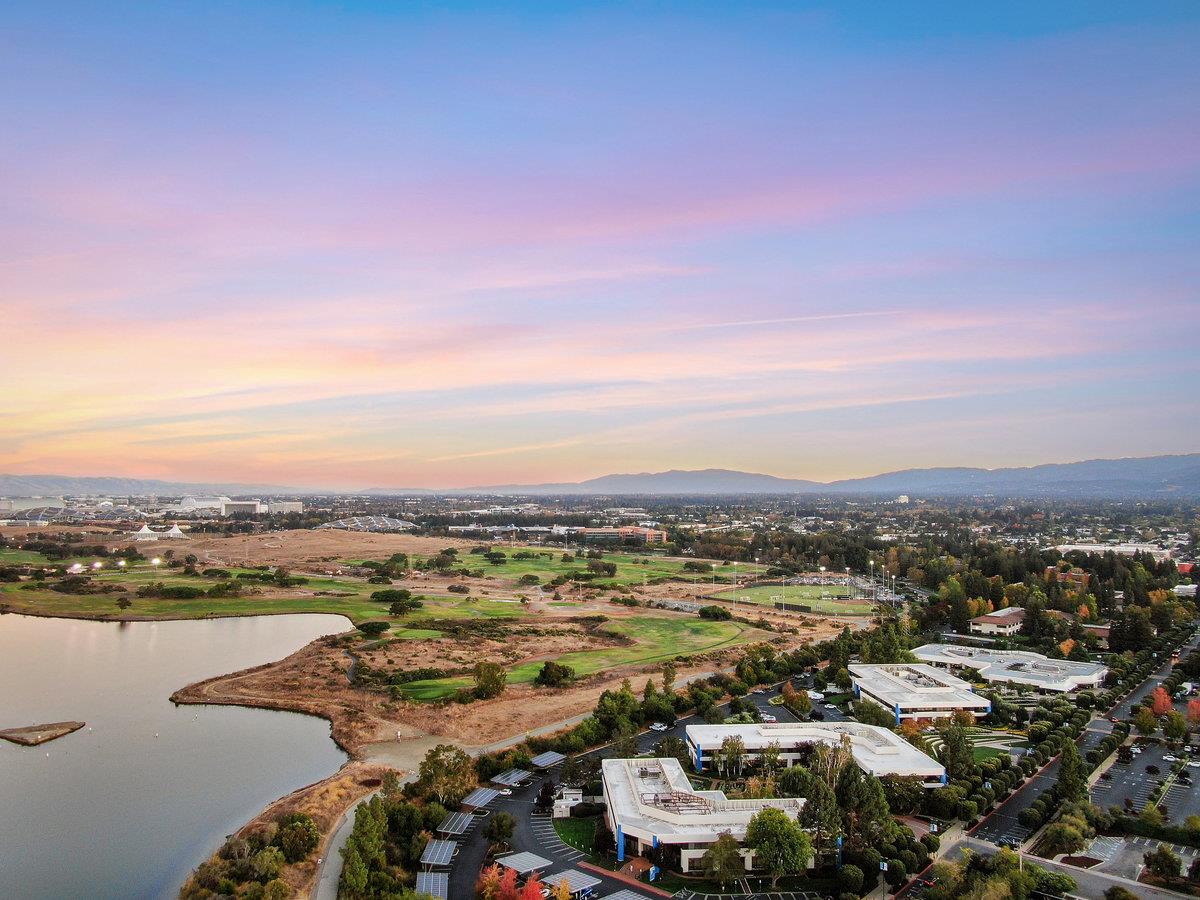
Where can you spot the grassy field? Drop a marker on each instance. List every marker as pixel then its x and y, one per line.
pixel 832 599
pixel 656 639
pixel 355 605
pixel 579 833
pixel 10 557
pixel 631 567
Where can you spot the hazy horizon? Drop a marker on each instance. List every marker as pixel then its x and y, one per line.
pixel 377 246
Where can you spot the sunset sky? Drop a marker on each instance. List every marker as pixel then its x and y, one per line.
pixel 381 245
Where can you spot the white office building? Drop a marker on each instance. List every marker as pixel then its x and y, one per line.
pixel 651 803
pixel 1047 676
pixel 916 691
pixel 877 751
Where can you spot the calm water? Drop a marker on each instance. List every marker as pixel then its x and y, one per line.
pixel 115 811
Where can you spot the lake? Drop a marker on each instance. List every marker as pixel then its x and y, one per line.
pixel 127 806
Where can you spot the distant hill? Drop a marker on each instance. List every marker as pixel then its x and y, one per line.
pixel 1152 477
pixel 57 485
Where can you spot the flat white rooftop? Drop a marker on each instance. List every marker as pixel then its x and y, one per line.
pixel 876 750
pixel 1017 666
pixel 651 798
pixel 909 685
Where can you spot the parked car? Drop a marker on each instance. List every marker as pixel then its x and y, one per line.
pixel 1194 764
pixel 830 706
pixel 659 726
pixel 767 717
pixel 758 691
pixel 505 792
pixel 1169 758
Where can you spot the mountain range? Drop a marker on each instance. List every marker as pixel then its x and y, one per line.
pixel 1153 477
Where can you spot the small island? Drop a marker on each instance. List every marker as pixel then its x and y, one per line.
pixel 33 735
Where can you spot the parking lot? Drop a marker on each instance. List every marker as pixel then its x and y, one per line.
pixel 1132 782
pixel 1122 856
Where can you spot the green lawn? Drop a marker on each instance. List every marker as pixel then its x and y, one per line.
pixel 579 833
pixel 630 571
pixel 833 599
pixel 9 557
pixel 657 639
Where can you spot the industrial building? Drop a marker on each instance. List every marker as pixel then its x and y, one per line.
pixel 651 803
pixel 876 750
pixel 916 691
pixel 1021 667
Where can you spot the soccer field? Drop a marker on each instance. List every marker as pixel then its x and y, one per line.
pixel 833 599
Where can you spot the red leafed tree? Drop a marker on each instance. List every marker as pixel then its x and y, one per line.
pixel 532 889
pixel 488 885
pixel 508 886
pixel 1160 701
pixel 1193 711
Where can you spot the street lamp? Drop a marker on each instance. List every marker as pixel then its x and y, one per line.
pixel 156 561
pixel 121 563
pixel 97 565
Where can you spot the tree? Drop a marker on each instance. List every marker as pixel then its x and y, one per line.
pixel 124 603
pixel 1062 837
pixel 668 677
pixel 723 861
pixel 1174 726
pixel 447 773
pixel 354 872
pixel 956 754
pixel 797 701
pixel 507 889
pixel 1116 892
pixel 873 714
pixel 500 827
pixel 865 813
pixel 374 628
pixel 1160 701
pixel 1162 862
pixel 267 863
pixel 278 889
pixel 297 837
pixel 820 814
pixel 731 754
pixel 851 877
pixel 1072 780
pixel 780 846
pixel 532 889
pixel 490 679
pixel 672 746
pixel 487 886
pixel 769 758
pixel 1145 721
pixel 562 890
pixel 554 674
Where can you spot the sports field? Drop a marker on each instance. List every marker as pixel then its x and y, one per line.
pixel 657 639
pixel 833 599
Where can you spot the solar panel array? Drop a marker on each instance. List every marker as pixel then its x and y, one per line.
pixel 436 884
pixel 547 759
pixel 480 797
pixel 524 862
pixel 625 894
pixel 576 880
pixel 438 853
pixel 511 777
pixel 456 823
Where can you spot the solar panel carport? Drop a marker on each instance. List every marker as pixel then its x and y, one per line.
pixel 480 797
pixel 576 881
pixel 511 777
pixel 435 884
pixel 438 853
pixel 456 823
pixel 524 862
pixel 547 759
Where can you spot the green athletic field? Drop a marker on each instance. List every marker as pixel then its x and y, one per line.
pixel 832 599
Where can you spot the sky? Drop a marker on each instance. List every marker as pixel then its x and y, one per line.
pixel 355 245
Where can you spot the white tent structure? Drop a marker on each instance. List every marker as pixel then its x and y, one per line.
pixel 174 532
pixel 145 534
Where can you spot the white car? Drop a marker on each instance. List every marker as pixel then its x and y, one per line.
pixel 1169 758
pixel 1194 764
pixel 505 792
pixel 815 695
pixel 758 691
pixel 766 717
pixel 830 706
pixel 1135 750
pixel 659 726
